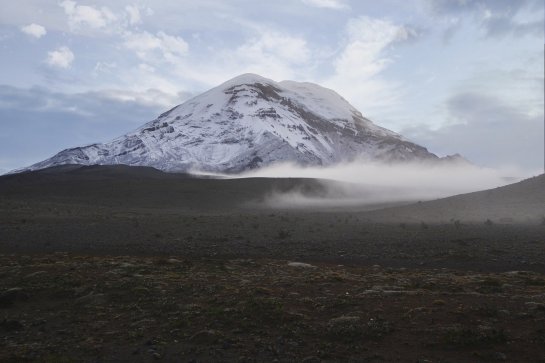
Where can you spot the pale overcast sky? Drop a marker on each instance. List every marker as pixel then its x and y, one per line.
pixel 456 76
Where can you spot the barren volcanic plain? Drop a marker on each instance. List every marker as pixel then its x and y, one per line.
pixel 115 263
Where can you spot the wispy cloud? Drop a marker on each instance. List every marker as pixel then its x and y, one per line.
pixel 87 16
pixel 35 30
pixel 497 18
pixel 133 13
pixel 61 57
pixel 359 64
pixel 328 4
pixel 147 45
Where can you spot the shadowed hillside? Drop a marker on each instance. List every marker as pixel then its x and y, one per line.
pixel 522 202
pixel 144 187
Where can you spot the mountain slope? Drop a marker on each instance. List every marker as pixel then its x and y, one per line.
pixel 519 202
pixel 121 186
pixel 248 122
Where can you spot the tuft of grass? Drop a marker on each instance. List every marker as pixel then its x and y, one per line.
pixel 350 328
pixel 345 328
pixel 534 281
pixel 489 281
pixel 488 311
pixel 490 286
pixel 377 328
pixel 264 308
pixel 473 337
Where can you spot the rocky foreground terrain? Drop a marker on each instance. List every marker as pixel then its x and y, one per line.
pixel 65 307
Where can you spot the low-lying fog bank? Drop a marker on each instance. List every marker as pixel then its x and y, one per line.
pixel 379 184
pixel 347 188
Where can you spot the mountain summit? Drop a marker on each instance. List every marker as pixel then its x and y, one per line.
pixel 248 122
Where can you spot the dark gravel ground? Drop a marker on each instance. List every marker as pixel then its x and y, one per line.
pixel 333 237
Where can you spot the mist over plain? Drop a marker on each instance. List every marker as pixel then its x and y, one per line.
pixel 371 184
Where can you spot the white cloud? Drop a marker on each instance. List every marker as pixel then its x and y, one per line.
pixel 368 38
pixel 144 77
pixel 146 68
pixel 35 30
pixel 150 97
pixel 61 57
pixel 267 52
pixel 104 68
pixel 363 58
pixel 84 15
pixel 274 54
pixel 134 14
pixel 329 4
pixel 172 45
pixel 147 46
pixel 285 47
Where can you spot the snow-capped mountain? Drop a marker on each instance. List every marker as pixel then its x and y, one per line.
pixel 248 122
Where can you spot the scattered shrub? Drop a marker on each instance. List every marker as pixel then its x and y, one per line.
pixel 377 328
pixel 352 327
pixel 264 308
pixel 488 311
pixel 345 327
pixel 471 337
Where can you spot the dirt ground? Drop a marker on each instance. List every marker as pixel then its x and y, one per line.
pixel 138 266
pixel 66 307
